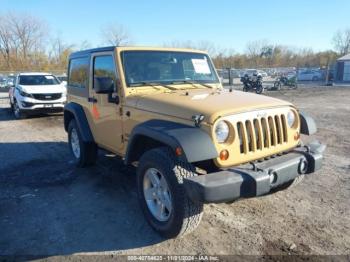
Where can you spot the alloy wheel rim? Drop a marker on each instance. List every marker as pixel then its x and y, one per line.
pixel 157 194
pixel 75 143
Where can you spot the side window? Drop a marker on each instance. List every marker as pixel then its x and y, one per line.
pixel 104 67
pixel 78 72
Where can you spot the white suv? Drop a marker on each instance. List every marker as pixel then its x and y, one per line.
pixel 37 92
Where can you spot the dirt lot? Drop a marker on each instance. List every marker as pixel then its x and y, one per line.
pixel 48 207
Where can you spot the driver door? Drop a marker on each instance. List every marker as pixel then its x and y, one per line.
pixel 105 108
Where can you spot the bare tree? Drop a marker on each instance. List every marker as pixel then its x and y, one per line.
pixel 200 45
pixel 6 40
pixel 59 52
pixel 116 35
pixel 341 41
pixel 254 50
pixel 85 44
pixel 29 32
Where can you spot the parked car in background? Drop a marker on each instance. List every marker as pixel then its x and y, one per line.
pixel 224 73
pixel 36 92
pixel 251 72
pixel 3 83
pixel 10 81
pixel 63 79
pixel 309 75
pixel 262 73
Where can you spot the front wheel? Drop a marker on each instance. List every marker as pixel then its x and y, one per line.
pixel 259 89
pixel 289 184
pixel 162 196
pixel 18 113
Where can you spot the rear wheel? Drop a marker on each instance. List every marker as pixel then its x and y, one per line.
pixel 85 154
pixel 162 197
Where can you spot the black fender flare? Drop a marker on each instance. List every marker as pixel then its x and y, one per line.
pixel 79 115
pixel 196 144
pixel 307 124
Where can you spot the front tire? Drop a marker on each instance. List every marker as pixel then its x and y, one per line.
pixel 177 213
pixel 85 154
pixel 259 89
pixel 295 181
pixel 18 113
pixel 289 184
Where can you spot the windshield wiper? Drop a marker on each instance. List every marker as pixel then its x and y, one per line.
pixel 153 84
pixel 193 83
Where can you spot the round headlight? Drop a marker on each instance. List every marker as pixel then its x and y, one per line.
pixel 222 131
pixel 291 118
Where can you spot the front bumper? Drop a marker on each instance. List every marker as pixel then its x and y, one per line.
pixel 259 179
pixel 30 104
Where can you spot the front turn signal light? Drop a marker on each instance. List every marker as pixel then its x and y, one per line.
pixel 178 151
pixel 296 136
pixel 224 155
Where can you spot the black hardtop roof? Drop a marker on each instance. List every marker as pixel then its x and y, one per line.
pixel 93 50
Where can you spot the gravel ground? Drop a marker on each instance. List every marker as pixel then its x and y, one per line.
pixel 48 207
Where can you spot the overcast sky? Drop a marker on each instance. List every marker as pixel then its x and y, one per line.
pixel 227 24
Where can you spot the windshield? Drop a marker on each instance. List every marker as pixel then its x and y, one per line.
pixel 33 80
pixel 165 67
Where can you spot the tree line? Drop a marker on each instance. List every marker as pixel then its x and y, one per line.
pixel 26 44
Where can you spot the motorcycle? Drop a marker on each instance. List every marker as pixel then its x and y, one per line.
pixel 252 83
pixel 290 82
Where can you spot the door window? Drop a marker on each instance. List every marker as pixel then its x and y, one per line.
pixel 346 71
pixel 78 72
pixel 104 67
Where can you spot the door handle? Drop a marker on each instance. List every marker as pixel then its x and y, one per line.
pixel 92 100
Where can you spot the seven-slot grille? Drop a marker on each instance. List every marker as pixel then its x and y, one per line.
pixel 53 96
pixel 261 133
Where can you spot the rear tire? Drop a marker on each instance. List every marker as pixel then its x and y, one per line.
pixel 183 215
pixel 85 154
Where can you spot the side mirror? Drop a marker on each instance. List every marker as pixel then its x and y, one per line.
pixel 103 85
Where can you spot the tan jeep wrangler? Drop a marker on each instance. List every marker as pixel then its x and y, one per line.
pixel 193 142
